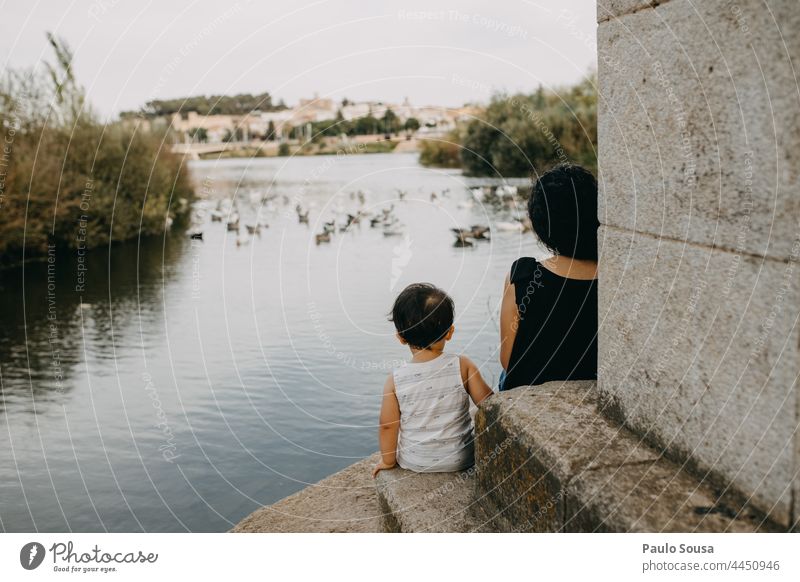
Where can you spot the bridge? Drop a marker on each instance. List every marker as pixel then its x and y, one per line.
pixel 195 150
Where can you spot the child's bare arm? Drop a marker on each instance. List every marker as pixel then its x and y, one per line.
pixel 477 388
pixel 389 428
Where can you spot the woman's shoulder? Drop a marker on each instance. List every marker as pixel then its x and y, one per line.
pixel 523 269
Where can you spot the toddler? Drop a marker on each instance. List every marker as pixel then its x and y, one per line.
pixel 425 425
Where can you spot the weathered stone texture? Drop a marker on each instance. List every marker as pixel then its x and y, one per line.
pixel 698 351
pixel 531 441
pixel 651 497
pixel 427 502
pixel 607 9
pixel 699 123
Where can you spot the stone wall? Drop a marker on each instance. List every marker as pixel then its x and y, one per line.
pixel 699 157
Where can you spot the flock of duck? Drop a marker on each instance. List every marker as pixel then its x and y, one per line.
pixel 504 196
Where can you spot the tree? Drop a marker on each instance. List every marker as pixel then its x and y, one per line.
pixel 236 135
pixel 199 134
pixel 390 122
pixel 412 124
pixel 521 134
pixel 211 105
pixel 271 131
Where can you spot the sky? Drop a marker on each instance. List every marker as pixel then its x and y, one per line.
pixel 432 52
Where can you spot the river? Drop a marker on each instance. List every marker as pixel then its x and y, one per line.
pixel 189 382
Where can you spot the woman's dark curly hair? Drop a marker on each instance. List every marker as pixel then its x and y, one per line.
pixel 563 211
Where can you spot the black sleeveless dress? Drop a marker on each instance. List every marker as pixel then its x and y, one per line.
pixel 557 334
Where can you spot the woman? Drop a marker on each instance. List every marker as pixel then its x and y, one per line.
pixel 548 317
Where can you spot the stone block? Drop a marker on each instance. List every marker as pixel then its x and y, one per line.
pixel 698 352
pixel 699 123
pixel 428 502
pixel 344 502
pixel 530 441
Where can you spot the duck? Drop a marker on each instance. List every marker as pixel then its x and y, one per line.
pixel 196 235
pixel 329 227
pixel 302 217
pixel 477 193
pixel 349 221
pixel 506 190
pixel 253 228
pixel 216 216
pixel 323 237
pixel 395 230
pixel 480 232
pixel 503 226
pixel 462 236
pixel 233 222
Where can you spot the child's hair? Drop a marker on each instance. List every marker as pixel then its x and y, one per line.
pixel 422 314
pixel 563 211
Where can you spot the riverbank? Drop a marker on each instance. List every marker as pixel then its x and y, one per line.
pixel 363 144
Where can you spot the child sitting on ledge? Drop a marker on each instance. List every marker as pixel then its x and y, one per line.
pixel 425 425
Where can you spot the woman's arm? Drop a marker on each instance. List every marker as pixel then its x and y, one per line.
pixel 509 322
pixel 389 428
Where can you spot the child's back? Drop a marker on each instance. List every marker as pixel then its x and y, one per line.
pixel 425 424
pixel 435 425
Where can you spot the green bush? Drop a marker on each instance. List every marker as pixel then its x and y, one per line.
pixel 441 153
pixel 521 134
pixel 72 181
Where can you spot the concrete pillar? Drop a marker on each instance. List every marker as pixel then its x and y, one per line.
pixel 699 170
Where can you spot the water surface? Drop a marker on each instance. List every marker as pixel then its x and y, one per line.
pixel 191 382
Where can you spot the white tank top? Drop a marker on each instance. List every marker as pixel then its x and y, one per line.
pixel 435 425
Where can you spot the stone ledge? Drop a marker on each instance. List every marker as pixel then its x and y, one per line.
pixel 547 460
pixel 428 502
pixel 651 497
pixel 344 502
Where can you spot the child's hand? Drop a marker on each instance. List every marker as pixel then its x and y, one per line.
pixel 381 466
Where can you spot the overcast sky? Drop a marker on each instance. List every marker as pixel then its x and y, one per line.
pixel 431 51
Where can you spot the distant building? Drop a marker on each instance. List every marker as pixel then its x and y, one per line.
pixel 257 124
